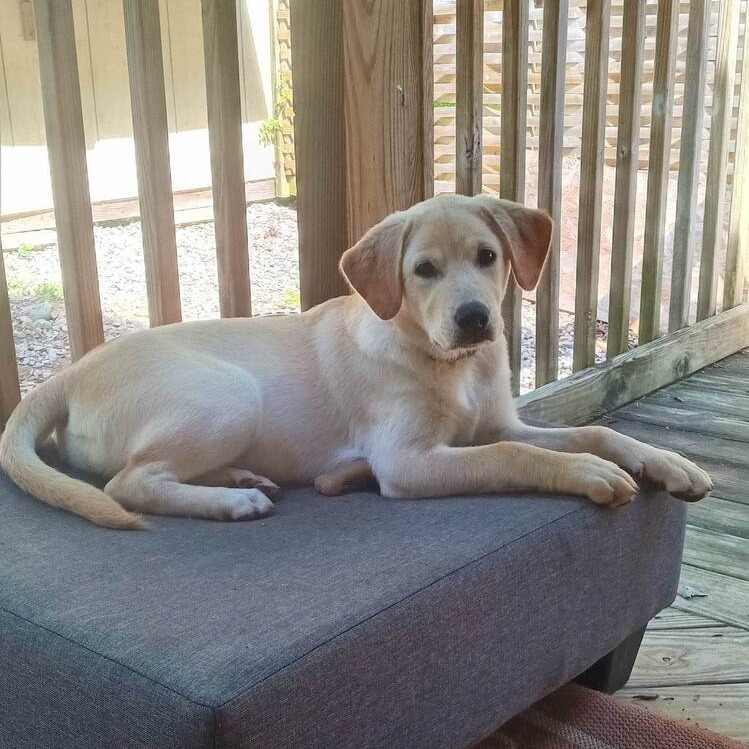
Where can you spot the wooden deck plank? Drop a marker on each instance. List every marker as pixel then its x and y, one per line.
pixel 720 516
pixel 717 707
pixel 717 552
pixel 672 618
pixel 690 419
pixel 692 656
pixel 690 395
pixel 725 599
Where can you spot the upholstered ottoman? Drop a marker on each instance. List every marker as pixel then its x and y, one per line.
pixel 354 622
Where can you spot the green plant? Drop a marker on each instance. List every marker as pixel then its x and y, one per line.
pixel 25 249
pixel 271 127
pixel 17 288
pixel 51 292
pixel 291 298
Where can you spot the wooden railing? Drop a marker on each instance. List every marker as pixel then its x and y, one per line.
pixel 363 95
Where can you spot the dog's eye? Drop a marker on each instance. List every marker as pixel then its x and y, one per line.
pixel 426 270
pixel 486 257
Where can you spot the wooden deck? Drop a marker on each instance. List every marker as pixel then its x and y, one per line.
pixel 694 659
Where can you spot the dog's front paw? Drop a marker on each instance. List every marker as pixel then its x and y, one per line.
pixel 601 481
pixel 243 504
pixel 677 475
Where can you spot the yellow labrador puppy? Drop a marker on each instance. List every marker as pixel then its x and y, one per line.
pixel 409 373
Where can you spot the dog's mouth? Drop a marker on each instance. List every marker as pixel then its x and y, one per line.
pixel 452 354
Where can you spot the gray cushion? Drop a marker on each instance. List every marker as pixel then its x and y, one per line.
pixel 358 621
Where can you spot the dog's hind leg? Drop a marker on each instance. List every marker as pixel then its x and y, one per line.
pixel 344 478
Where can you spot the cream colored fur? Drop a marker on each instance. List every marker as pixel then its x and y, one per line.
pixel 203 419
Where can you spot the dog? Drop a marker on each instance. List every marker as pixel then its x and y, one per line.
pixel 407 377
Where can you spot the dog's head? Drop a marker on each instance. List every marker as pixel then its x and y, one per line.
pixel 441 267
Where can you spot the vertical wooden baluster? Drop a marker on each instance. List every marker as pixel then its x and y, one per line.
pixel 10 392
pixel 469 63
pixel 227 159
pixel 427 104
pixel 717 163
pixel 319 145
pixel 625 193
pixel 66 146
pixel 512 148
pixel 689 163
pixel 659 165
pixel 151 136
pixel 737 251
pixel 591 181
pixel 553 66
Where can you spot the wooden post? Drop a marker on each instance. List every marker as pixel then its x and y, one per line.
pixel 689 163
pixel 553 66
pixel 66 146
pixel 737 251
pixel 625 193
pixel 717 163
pixel 659 166
pixel 227 158
pixel 512 162
pixel 427 97
pixel 317 52
pixel 597 24
pixel 384 90
pixel 10 392
pixel 469 100
pixel 151 136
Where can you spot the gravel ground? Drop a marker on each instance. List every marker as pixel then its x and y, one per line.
pixel 39 314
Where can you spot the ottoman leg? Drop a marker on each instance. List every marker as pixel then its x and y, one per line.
pixel 611 672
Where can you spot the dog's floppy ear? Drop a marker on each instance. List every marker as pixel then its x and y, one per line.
pixel 373 266
pixel 525 235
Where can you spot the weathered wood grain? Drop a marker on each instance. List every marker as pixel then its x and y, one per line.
pixel 151 138
pixel 592 392
pixel 726 599
pixel 693 419
pixel 319 143
pixel 383 109
pixel 717 163
pixel 720 516
pixel 717 552
pixel 227 157
pixel 692 396
pixel 598 16
pixel 469 100
pixel 659 163
pixel 625 191
pixel 672 618
pixel 427 98
pixel 689 164
pixel 66 147
pixel 512 165
pixel 717 707
pixel 692 656
pixel 737 249
pixel 553 66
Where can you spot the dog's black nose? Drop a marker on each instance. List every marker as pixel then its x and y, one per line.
pixel 472 319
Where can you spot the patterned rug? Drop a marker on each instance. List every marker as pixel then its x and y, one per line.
pixel 578 718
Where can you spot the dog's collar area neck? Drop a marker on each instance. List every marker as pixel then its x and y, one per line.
pixel 455 359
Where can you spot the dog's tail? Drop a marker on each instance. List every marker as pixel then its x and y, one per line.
pixel 29 425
